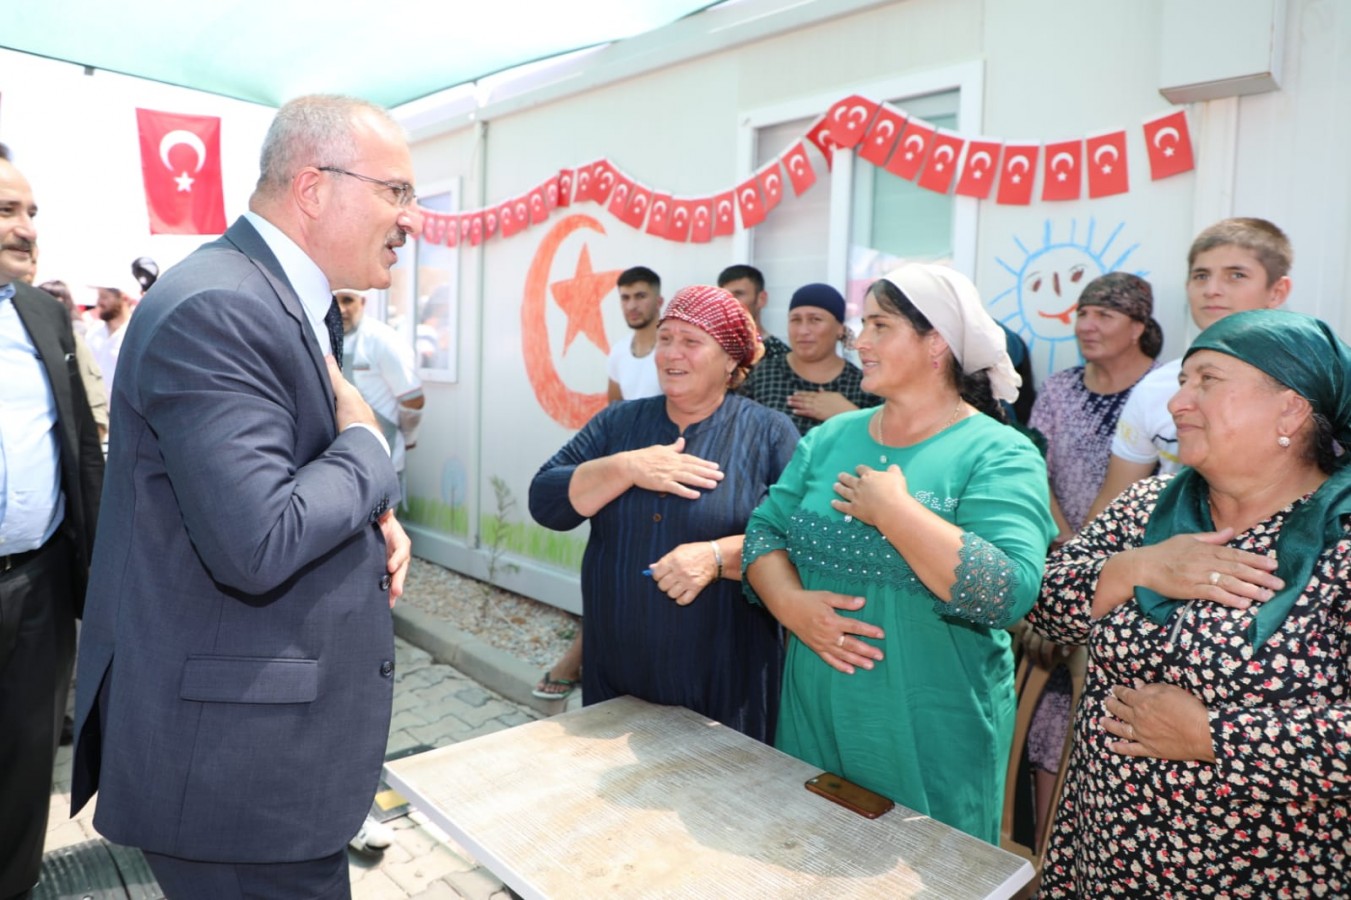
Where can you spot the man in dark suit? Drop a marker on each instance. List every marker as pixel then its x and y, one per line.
pixel 237 657
pixel 51 474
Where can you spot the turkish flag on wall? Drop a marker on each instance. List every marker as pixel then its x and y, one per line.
pixel 1167 139
pixel 909 156
pixel 1018 173
pixel 771 185
pixel 640 200
pixel 1107 174
pixel 433 228
pixel 819 134
pixel 848 120
pixel 180 164
pixel 881 136
pixel 565 180
pixel 620 195
pixel 679 229
pixel 1064 177
pixel 979 169
pixel 701 221
pixel 724 221
pixel 748 199
pixel 942 166
pixel 800 171
pixel 659 222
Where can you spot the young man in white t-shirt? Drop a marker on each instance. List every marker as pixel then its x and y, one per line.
pixel 1234 265
pixel 632 366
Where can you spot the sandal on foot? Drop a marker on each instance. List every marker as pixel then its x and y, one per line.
pixel 562 688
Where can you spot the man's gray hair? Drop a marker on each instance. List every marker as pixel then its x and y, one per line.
pixel 315 130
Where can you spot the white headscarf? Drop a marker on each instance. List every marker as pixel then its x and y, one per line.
pixel 952 304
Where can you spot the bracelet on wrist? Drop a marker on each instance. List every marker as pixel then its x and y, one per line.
pixel 717 558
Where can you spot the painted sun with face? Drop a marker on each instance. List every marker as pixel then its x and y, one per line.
pixel 1041 304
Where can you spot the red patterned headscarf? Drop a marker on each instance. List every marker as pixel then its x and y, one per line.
pixel 723 317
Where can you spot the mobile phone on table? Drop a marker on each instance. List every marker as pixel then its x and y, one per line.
pixel 852 797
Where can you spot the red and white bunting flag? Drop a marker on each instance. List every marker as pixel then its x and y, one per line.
pixel 581 186
pixel 181 170
pixel 1064 175
pixel 507 226
pixel 819 134
pixel 848 120
pixel 550 190
pixel 979 168
pixel 566 183
pixel 881 137
pixel 620 195
pixel 1106 164
pixel 701 221
pixel 520 211
pixel 681 213
pixel 749 202
pixel 724 214
pixel 659 220
pixel 1169 142
pixel 476 227
pixel 433 227
pixel 910 151
pixel 800 171
pixel 603 178
pixel 452 231
pixel 1018 173
pixel 941 168
pixel 640 200
pixel 771 185
pixel 539 210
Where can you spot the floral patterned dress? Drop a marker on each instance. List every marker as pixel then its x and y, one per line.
pixel 1270 817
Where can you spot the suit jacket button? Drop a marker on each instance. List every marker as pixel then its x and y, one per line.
pixel 386 668
pixel 384 583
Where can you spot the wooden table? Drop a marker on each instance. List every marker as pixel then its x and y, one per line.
pixel 630 799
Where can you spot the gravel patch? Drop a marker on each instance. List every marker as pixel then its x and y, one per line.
pixel 527 629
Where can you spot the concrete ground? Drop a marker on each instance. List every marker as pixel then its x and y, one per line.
pixel 434 704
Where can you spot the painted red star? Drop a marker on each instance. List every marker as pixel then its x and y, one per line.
pixel 579 297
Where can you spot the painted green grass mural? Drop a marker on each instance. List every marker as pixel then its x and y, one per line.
pixel 524 538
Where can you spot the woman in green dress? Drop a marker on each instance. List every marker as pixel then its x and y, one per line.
pixel 896 548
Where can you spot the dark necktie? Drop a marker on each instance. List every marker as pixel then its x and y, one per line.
pixel 333 319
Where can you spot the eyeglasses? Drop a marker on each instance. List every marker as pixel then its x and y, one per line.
pixel 402 190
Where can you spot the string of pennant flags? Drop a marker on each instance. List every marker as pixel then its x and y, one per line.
pixel 906 146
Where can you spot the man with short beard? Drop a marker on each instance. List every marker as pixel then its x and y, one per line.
pixel 51 477
pixel 105 336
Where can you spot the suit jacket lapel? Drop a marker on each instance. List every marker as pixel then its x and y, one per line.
pixel 249 242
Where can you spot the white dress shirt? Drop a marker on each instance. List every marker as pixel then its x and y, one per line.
pixel 310 285
pixel 32 504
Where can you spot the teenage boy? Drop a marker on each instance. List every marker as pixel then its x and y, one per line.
pixel 1234 265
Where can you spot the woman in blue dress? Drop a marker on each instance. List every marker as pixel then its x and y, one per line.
pixel 668 483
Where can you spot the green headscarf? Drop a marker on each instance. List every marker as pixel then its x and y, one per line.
pixel 1305 355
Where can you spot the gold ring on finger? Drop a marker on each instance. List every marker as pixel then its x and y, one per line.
pixel 1214 577
pixel 840 642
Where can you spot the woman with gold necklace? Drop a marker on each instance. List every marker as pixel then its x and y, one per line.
pixel 896 547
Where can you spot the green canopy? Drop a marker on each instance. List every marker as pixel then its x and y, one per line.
pixel 267 51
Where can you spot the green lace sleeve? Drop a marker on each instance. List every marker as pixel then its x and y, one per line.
pixel 983 590
pixel 760 539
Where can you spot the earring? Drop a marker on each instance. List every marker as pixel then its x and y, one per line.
pixel 935 363
pixel 1283 441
